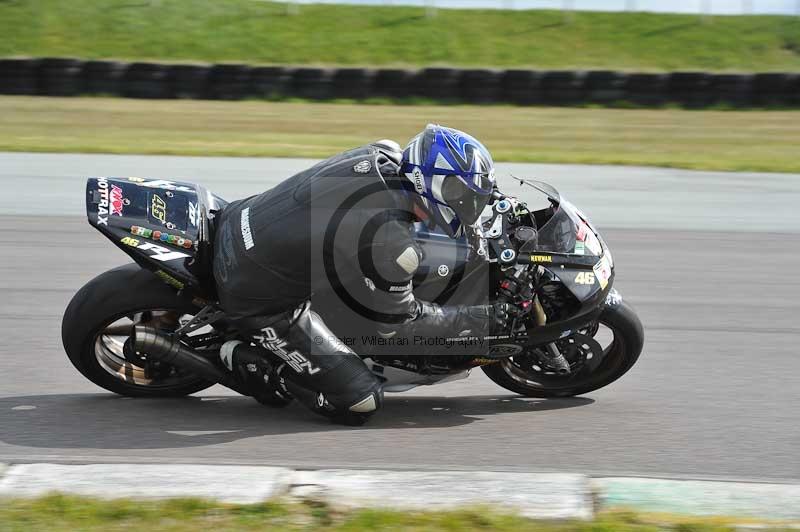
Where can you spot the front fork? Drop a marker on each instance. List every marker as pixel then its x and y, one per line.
pixel 553 357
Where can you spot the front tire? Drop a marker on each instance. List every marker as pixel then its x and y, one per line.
pixel 96 350
pixel 619 357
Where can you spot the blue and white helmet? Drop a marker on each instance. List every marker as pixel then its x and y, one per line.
pixel 451 176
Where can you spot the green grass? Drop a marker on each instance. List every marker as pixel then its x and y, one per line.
pixel 715 140
pixel 262 32
pixel 57 513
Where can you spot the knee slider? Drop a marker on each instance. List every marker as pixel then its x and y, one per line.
pixel 371 403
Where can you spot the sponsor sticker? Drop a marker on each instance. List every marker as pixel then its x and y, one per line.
pixel 480 361
pixel 132 242
pixel 247 234
pixel 116 201
pixel 504 349
pixel 363 167
pixel 613 297
pixel 593 243
pixel 400 288
pixel 269 340
pixel 160 253
pixel 166 185
pixel 602 270
pixel 102 207
pixel 443 270
pixel 541 258
pixel 193 214
pixel 175 240
pixel 141 231
pixel 158 208
pixel 581 233
pixel 170 280
pixel 419 180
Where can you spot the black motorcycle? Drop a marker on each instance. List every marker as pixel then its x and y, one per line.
pixel 153 328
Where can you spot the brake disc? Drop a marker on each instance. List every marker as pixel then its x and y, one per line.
pixel 581 351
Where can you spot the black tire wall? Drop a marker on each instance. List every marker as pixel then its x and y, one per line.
pixel 61 77
pixel 19 76
pixel 103 77
pixel 71 77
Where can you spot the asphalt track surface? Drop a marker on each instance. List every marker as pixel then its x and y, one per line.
pixel 708 259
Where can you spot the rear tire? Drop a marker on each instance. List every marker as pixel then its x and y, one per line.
pixel 110 296
pixel 619 357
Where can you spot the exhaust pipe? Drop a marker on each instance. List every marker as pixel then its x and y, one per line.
pixel 169 350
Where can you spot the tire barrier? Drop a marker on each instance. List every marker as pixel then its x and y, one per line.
pixel 392 83
pixel 70 76
pixel 793 95
pixel 311 83
pixel 19 76
pixel 229 82
pixel 271 81
pixel 604 86
pixel 690 89
pixel 188 81
pixel 61 77
pixel 480 86
pixel 561 87
pixel 145 80
pixel 520 86
pixel 774 89
pixel 439 84
pixel 733 89
pixel 645 89
pixel 352 83
pixel 103 77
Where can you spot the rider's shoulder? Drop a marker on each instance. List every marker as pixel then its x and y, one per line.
pixel 390 149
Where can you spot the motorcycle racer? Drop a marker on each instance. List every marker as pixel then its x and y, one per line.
pixel 355 210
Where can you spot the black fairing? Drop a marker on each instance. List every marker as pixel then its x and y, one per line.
pixel 163 225
pixel 466 269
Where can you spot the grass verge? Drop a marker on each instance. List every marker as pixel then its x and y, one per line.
pixel 710 140
pixel 263 32
pixel 56 513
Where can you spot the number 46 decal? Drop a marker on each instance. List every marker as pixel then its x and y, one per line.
pixel 584 278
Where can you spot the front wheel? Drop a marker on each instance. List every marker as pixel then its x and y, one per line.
pixel 99 320
pixel 618 323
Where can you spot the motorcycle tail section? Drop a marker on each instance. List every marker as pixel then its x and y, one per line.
pixel 162 225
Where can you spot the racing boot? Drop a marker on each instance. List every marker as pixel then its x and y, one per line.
pixel 257 374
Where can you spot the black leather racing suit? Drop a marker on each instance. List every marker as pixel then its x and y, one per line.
pixel 342 227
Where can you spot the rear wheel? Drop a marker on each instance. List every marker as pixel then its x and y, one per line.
pixel 99 320
pixel 619 337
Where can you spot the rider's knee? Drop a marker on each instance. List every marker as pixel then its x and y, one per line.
pixel 351 387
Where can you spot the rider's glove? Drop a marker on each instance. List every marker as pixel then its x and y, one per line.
pixel 504 315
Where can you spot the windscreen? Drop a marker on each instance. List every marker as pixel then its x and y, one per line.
pixel 567 232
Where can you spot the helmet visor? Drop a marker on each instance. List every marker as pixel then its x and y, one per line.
pixel 466 202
